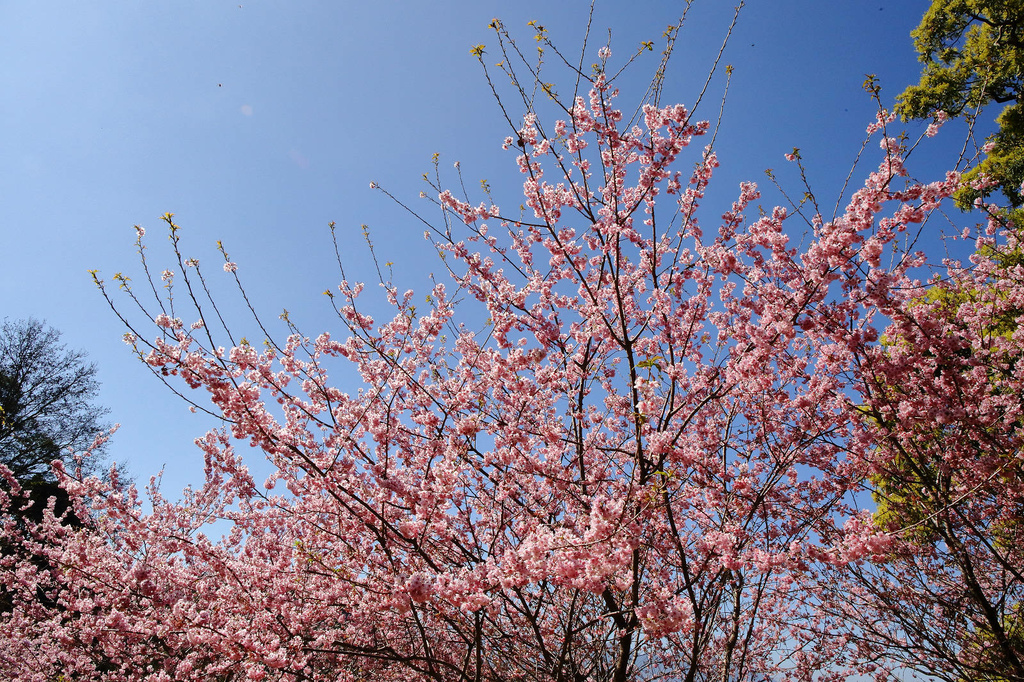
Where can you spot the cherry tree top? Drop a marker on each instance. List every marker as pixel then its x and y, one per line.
pixel 619 439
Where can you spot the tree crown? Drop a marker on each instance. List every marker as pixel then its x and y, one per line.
pixel 47 394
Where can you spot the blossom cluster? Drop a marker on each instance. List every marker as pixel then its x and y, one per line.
pixel 644 461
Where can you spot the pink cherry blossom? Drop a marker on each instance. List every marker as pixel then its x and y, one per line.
pixel 629 434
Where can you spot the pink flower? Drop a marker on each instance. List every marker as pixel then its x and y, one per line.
pixel 419 586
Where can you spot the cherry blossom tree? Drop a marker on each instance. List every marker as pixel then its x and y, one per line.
pixel 940 407
pixel 942 413
pixel 620 440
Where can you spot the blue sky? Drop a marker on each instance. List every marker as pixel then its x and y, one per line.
pixel 258 123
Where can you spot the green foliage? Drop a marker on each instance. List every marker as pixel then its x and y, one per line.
pixel 1004 164
pixel 973 51
pixel 898 496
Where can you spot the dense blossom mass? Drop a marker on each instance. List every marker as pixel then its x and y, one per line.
pixel 628 438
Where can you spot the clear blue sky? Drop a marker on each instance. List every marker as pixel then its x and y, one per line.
pixel 259 123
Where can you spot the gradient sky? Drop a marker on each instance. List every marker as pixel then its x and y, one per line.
pixel 259 123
